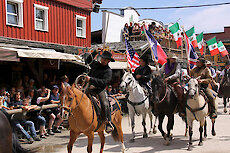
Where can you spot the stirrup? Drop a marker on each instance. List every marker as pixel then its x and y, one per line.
pixel 109 128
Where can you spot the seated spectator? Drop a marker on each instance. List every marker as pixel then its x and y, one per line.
pixel 136 29
pixel 126 31
pixel 20 121
pixel 152 27
pixel 31 84
pixel 131 29
pixel 54 112
pixel 17 100
pixel 3 104
pixel 19 87
pixel 12 93
pixel 42 98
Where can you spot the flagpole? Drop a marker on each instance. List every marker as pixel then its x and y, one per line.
pixel 155 61
pixel 186 47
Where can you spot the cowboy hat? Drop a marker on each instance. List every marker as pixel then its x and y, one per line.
pixel 172 55
pixel 208 63
pixel 107 55
pixel 202 60
pixel 145 58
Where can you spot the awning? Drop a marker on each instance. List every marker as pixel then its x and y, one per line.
pixel 118 65
pixel 37 53
pixel 124 65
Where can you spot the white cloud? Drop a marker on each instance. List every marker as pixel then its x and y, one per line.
pixel 212 19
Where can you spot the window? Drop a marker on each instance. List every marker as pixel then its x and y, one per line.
pixel 41 17
pixel 14 12
pixel 80 26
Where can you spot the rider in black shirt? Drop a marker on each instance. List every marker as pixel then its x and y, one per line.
pixel 99 77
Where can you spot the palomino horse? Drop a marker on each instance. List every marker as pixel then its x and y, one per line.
pixel 83 119
pixel 165 104
pixel 138 102
pixel 197 109
pixel 8 142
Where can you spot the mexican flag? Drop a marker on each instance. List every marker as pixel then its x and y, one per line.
pixel 200 42
pixel 175 30
pixel 222 49
pixel 192 36
pixel 212 46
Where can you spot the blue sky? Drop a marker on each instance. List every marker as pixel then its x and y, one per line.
pixel 206 19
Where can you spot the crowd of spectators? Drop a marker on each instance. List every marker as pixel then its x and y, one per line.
pixel 27 96
pixel 136 31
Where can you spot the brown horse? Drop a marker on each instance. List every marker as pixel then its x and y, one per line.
pixel 9 142
pixel 83 119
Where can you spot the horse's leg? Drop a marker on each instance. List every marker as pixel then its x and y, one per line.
pixel 213 127
pixel 72 139
pixel 169 128
pixel 145 135
pixel 225 104
pixel 102 138
pixel 190 137
pixel 154 127
pixel 186 129
pixel 151 121
pixel 205 129
pixel 131 115
pixel 90 141
pixel 201 132
pixel 161 118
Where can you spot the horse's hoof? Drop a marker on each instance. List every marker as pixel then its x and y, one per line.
pixel 145 135
pixel 167 143
pixel 205 136
pixel 131 140
pixel 165 136
pixel 154 131
pixel 213 133
pixel 225 110
pixel 189 148
pixel 200 144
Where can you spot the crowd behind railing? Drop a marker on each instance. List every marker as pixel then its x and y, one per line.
pixel 135 32
pixel 26 96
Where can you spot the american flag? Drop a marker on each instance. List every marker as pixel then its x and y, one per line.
pixel 192 55
pixel 132 56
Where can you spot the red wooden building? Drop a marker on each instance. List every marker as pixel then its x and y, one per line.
pixel 66 22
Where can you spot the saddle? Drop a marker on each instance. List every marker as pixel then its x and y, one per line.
pixel 114 105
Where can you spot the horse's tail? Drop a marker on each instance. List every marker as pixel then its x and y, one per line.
pixel 115 134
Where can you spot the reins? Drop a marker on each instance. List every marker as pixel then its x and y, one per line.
pixel 166 91
pixel 197 109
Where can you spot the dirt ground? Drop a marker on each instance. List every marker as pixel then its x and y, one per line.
pixel 154 142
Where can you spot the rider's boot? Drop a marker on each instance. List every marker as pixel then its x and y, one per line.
pixel 109 126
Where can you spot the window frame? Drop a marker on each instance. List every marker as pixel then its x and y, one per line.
pixel 83 28
pixel 19 13
pixel 45 19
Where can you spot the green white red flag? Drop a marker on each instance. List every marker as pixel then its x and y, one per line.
pixel 200 42
pixel 222 49
pixel 212 46
pixel 192 36
pixel 175 30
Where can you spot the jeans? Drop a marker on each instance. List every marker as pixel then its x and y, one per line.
pixel 26 123
pixel 41 120
pixel 105 105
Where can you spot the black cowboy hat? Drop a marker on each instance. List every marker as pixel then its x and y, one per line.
pixel 145 58
pixel 107 55
pixel 202 60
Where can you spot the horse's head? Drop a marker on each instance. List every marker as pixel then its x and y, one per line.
pixel 157 87
pixel 126 80
pixel 193 87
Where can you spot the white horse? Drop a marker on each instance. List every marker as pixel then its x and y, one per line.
pixel 196 109
pixel 138 102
